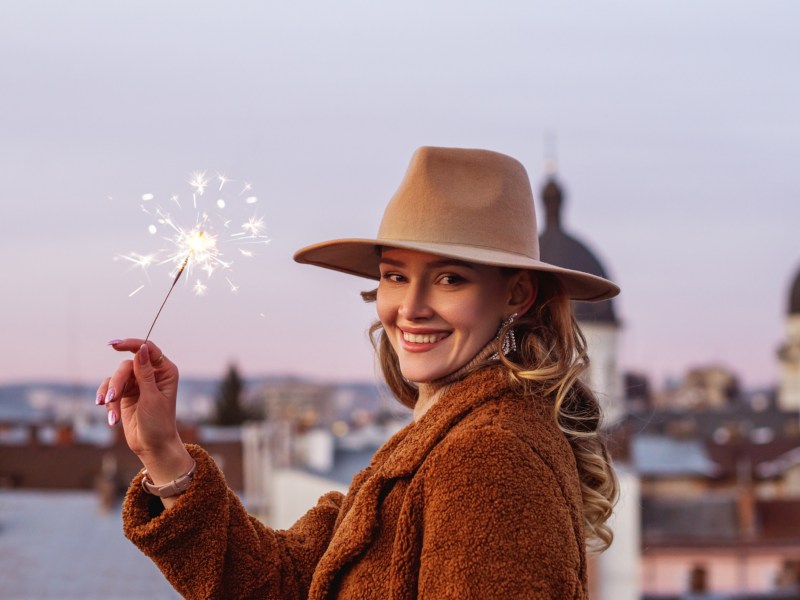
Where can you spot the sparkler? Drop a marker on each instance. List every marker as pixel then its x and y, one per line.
pixel 200 245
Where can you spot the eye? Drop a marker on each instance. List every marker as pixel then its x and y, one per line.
pixel 451 279
pixel 393 277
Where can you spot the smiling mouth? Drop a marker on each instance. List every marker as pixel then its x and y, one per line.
pixel 424 338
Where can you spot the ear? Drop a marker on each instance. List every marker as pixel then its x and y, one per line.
pixel 523 287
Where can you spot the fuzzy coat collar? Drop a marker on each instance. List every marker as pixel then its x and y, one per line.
pixel 400 457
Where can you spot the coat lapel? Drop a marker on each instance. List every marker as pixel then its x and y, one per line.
pixel 400 457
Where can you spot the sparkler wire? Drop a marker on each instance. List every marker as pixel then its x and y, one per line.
pixel 172 287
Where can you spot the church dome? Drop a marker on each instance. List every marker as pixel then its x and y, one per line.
pixel 559 248
pixel 794 296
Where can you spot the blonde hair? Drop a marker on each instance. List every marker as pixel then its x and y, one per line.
pixel 549 359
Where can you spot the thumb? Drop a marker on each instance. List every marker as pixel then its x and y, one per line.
pixel 143 370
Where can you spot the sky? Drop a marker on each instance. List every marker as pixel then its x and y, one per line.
pixel 677 135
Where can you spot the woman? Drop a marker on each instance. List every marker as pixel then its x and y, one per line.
pixel 497 484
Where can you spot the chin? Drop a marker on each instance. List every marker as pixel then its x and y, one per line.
pixel 420 375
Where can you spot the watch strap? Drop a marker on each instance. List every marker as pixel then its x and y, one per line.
pixel 173 488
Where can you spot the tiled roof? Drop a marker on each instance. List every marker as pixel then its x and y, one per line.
pixel 662 456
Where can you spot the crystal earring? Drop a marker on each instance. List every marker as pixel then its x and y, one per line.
pixel 509 339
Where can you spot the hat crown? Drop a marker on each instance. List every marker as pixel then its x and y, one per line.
pixel 464 197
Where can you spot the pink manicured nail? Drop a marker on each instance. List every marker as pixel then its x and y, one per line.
pixel 112 418
pixel 144 355
pixel 99 399
pixel 114 342
pixel 110 395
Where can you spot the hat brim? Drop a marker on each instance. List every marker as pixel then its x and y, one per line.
pixel 361 257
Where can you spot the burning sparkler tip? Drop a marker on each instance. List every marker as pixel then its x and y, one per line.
pixel 197 246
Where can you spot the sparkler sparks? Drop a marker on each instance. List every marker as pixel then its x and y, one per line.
pixel 199 245
pixel 199 182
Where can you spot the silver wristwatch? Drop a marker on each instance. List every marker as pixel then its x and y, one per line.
pixel 173 488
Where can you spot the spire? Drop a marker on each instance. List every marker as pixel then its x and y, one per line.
pixel 551 192
pixel 550 154
pixel 558 247
pixel 553 199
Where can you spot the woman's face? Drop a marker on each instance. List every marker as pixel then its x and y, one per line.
pixel 438 312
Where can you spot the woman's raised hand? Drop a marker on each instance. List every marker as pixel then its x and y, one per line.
pixel 142 394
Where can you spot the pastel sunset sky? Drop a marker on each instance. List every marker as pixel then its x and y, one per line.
pixel 678 137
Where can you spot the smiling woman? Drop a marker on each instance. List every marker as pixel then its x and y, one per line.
pixel 497 485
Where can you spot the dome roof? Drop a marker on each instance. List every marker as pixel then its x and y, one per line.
pixel 559 248
pixel 794 296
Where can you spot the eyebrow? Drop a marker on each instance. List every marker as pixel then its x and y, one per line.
pixel 437 264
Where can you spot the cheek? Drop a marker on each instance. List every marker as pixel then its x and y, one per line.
pixel 383 307
pixel 479 318
pixel 474 312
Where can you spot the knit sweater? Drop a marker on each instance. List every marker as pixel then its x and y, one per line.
pixel 478 499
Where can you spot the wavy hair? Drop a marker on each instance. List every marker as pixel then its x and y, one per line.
pixel 550 357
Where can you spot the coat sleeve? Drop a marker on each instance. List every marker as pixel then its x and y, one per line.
pixel 496 523
pixel 207 545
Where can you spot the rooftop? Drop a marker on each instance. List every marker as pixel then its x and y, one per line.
pixel 59 545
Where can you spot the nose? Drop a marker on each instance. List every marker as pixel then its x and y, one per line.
pixel 415 304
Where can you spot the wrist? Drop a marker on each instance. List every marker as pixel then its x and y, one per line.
pixel 168 463
pixel 169 490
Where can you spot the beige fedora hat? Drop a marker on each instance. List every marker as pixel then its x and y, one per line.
pixel 471 205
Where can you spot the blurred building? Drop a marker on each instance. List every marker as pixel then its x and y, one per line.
pixel 301 402
pixel 63 455
pixel 789 352
pixel 720 496
pixel 315 439
pixel 719 472
pixel 709 474
pixel 315 427
pixel 615 574
pixel 712 387
pixel 598 320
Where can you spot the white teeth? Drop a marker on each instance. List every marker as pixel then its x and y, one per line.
pixel 425 338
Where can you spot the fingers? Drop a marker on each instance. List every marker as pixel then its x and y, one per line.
pixel 142 374
pixel 101 391
pixel 133 344
pixel 144 369
pixel 113 388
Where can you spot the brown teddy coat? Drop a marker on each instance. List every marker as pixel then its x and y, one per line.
pixel 478 499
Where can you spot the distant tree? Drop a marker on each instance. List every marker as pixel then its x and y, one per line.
pixel 229 409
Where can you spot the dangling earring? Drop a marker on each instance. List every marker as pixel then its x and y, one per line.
pixel 509 339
